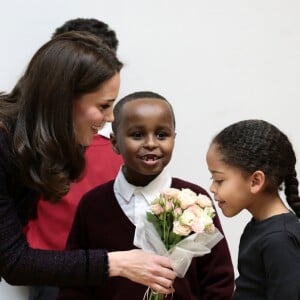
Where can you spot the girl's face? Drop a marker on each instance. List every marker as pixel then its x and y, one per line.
pixel 145 139
pixel 92 110
pixel 230 188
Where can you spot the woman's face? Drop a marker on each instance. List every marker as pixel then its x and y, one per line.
pixel 92 110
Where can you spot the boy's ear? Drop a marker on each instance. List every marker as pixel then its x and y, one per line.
pixel 113 141
pixel 257 182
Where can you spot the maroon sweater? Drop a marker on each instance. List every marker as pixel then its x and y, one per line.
pixel 100 222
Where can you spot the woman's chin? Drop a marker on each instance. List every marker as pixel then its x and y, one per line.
pixel 86 141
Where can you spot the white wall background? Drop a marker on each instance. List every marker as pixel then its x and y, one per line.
pixel 216 61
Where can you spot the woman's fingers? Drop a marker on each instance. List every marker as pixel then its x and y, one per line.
pixel 159 289
pixel 163 286
pixel 144 268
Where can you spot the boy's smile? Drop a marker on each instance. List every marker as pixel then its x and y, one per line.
pixel 145 138
pixel 150 159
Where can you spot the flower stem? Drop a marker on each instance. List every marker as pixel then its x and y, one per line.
pixel 156 296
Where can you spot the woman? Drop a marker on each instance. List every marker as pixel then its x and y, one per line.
pixel 65 95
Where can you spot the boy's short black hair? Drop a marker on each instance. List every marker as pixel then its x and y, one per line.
pixel 134 96
pixel 93 26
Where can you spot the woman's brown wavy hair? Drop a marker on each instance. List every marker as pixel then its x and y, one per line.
pixel 38 117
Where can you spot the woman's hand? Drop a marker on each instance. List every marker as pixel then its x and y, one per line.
pixel 143 267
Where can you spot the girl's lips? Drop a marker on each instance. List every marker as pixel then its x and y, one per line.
pixel 221 203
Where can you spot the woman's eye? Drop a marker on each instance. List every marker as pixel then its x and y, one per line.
pixel 104 106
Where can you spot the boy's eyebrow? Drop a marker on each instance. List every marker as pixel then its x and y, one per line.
pixel 135 126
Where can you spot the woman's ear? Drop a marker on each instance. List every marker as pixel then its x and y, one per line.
pixel 257 182
pixel 113 141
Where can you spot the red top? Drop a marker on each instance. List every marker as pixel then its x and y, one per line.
pixel 51 227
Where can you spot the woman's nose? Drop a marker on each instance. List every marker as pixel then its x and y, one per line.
pixel 109 116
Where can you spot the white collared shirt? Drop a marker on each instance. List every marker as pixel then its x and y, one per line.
pixel 105 130
pixel 135 200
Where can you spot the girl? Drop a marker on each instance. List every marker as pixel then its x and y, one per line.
pixel 249 162
pixel 46 123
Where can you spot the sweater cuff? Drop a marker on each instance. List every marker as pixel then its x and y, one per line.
pixel 105 266
pixel 96 267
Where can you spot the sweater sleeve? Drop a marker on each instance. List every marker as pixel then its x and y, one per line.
pixel 76 240
pixel 22 265
pixel 280 252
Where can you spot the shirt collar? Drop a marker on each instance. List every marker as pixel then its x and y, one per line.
pixel 105 130
pixel 150 191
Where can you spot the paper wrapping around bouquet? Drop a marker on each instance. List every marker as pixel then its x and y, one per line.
pixel 196 244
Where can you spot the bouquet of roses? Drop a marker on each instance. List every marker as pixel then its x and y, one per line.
pixel 180 225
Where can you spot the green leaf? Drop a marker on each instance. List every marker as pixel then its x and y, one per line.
pixel 156 222
pixel 174 239
pixel 151 217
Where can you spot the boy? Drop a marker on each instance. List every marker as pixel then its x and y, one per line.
pixel 144 134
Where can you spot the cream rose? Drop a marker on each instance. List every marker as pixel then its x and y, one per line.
pixel 170 193
pixel 157 209
pixel 197 226
pixel 187 198
pixel 187 218
pixel 203 201
pixel 181 229
pixel 195 209
pixel 177 212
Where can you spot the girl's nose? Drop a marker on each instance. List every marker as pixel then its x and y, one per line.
pixel 212 188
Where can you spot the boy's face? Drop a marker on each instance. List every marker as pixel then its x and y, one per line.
pixel 145 139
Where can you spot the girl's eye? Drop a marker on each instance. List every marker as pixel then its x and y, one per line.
pixel 217 181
